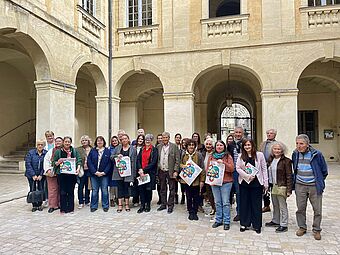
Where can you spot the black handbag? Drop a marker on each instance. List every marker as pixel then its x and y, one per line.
pixel 35 196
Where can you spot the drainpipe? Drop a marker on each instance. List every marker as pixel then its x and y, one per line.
pixel 110 67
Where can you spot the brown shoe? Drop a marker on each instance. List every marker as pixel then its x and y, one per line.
pixel 266 209
pixel 317 235
pixel 301 232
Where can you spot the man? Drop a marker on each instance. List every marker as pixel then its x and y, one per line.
pixel 235 149
pixel 168 169
pixel 265 147
pixel 178 139
pixel 310 172
pixel 139 132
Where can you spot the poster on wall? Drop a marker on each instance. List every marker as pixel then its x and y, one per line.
pixel 123 165
pixel 328 134
pixel 190 172
pixel 68 166
pixel 215 174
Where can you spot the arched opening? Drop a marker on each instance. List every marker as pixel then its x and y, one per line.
pixel 224 101
pixel 142 104
pixel 218 8
pixel 319 105
pixel 85 110
pixel 18 72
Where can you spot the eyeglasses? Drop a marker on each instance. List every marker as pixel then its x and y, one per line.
pixel 40 144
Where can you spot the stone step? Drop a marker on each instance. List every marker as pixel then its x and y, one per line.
pixel 11 171
pixel 14 157
pixel 9 165
pixel 21 153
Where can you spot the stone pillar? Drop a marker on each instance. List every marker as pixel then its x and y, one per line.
pixel 201 118
pixel 55 108
pixel 279 111
pixel 337 129
pixel 103 116
pixel 179 113
pixel 115 115
pixel 128 118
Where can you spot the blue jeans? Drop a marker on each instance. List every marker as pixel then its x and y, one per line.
pixel 221 197
pixel 83 184
pixel 102 183
pixel 237 191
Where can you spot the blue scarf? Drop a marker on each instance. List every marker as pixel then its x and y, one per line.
pixel 219 155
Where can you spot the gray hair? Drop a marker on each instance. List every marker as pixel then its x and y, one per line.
pixel 149 137
pixel 273 130
pixel 282 146
pixel 41 141
pixel 166 134
pixel 209 139
pixel 240 128
pixel 303 137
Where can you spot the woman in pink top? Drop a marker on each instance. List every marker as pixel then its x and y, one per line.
pixel 253 178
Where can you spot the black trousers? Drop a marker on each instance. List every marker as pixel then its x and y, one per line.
pixel 135 192
pixel 40 186
pixel 67 182
pixel 251 205
pixel 165 180
pixel 145 193
pixel 193 197
pixel 266 199
pixel 123 189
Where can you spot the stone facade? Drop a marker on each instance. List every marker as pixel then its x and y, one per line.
pixel 171 75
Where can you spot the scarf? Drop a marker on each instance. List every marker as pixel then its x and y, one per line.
pixel 217 155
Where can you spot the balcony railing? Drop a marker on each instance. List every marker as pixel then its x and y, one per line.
pixel 90 23
pixel 146 35
pixel 321 16
pixel 225 27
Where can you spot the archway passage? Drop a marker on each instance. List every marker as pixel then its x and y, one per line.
pixel 319 105
pixel 142 104
pixel 18 94
pixel 85 110
pixel 215 91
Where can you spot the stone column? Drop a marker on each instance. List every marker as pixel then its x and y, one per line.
pixel 115 114
pixel 179 113
pixel 279 111
pixel 128 118
pixel 103 116
pixel 55 108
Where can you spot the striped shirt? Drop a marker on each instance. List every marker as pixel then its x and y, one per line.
pixel 305 173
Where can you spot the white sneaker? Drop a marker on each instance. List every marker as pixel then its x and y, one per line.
pixel 45 204
pixel 80 206
pixel 212 219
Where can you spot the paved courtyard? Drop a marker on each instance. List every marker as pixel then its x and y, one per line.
pixel 24 232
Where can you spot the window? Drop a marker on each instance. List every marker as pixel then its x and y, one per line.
pixel 218 8
pixel 308 124
pixel 322 2
pixel 140 13
pixel 89 6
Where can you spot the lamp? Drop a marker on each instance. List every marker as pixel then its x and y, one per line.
pixel 229 97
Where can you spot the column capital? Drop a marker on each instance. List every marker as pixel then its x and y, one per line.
pixel 116 99
pixel 279 92
pixel 178 95
pixel 55 85
pixel 102 98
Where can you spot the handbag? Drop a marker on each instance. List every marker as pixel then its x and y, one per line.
pixel 81 172
pixel 35 196
pixel 279 190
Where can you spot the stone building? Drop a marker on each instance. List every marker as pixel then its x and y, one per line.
pixel 180 66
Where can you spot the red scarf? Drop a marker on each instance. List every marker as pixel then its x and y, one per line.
pixel 146 154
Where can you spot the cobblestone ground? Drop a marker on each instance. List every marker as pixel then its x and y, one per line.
pixel 24 232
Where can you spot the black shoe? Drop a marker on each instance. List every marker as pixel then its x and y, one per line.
pixel 195 217
pixel 51 210
pixel 226 227
pixel 272 224
pixel 216 224
pixel 40 208
pixel 243 228
pixel 258 231
pixel 93 209
pixel 105 209
pixel 141 209
pixel 161 208
pixel 236 218
pixel 183 200
pixel 281 229
pixel 191 216
pixel 34 209
pixel 147 208
pixel 170 210
pixel 176 199
pixel 159 202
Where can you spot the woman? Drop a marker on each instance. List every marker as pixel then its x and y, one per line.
pixel 253 179
pixel 209 149
pixel 182 151
pixel 66 182
pixel 113 184
pixel 222 193
pixel 159 141
pixel 193 191
pixel 52 180
pixel 123 183
pixel 84 151
pixel 100 166
pixel 140 142
pixel 196 137
pixel 280 179
pixel 147 164
pixel 230 139
pixel 34 163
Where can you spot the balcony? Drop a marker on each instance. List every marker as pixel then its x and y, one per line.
pixel 225 27
pixel 138 36
pixel 89 23
pixel 320 17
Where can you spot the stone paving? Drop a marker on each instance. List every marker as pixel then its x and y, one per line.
pixel 24 232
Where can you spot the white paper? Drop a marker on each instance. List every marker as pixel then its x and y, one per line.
pixel 143 180
pixel 215 174
pixel 190 172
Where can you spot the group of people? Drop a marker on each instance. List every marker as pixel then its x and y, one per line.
pixel 250 174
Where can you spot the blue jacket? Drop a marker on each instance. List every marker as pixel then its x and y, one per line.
pixel 105 163
pixel 34 163
pixel 318 165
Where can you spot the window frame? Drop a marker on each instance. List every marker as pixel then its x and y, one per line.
pixel 139 13
pixel 302 125
pixel 85 4
pixel 322 3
